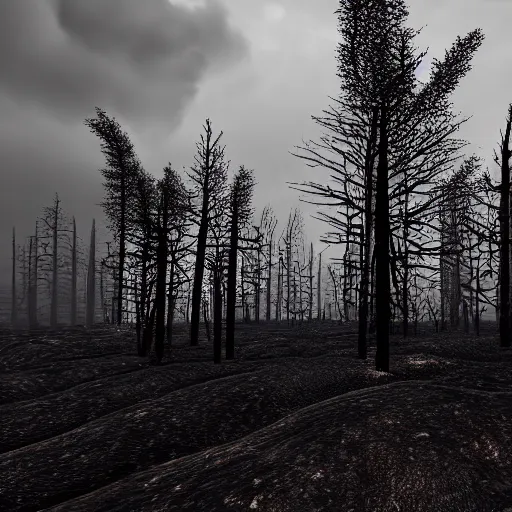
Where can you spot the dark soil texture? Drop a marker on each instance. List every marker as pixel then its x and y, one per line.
pixel 295 423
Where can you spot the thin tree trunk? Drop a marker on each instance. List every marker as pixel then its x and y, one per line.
pixel 288 277
pixel 310 313
pixel 477 299
pixel 318 287
pixel 242 283
pixel 170 304
pixel 14 299
pixel 102 292
pixel 73 277
pixel 269 279
pixel 161 278
pixel 405 284
pixel 258 287
pixel 231 285
pixel 366 233
pixel 122 252
pixel 147 335
pixel 55 284
pixel 35 287
pixel 91 280
pixel 382 263
pixel 442 279
pixel 30 303
pixel 278 298
pixel 199 267
pixel 138 322
pixel 217 318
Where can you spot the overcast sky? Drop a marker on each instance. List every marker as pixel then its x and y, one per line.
pixel 258 69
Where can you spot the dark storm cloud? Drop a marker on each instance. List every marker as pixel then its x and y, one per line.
pixel 142 59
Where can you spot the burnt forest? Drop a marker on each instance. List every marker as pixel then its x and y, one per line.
pixel 202 352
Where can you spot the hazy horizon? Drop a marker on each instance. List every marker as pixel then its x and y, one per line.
pixel 257 70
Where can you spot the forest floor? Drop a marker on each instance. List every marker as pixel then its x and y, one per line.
pixel 295 423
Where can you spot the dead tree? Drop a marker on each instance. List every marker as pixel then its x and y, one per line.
pixel 55 231
pixel 504 161
pixel 91 280
pixel 208 174
pixel 240 212
pixel 171 208
pixel 123 169
pixel 14 297
pixel 268 225
pixel 376 66
pixel 73 303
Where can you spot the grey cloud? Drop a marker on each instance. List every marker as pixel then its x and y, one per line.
pixel 141 59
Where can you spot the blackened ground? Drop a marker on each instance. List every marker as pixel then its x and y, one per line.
pixel 297 422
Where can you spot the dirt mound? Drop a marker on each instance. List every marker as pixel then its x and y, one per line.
pixel 84 415
pixel 399 447
pixel 34 420
pixel 177 424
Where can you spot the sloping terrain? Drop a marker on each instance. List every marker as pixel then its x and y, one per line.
pixel 295 423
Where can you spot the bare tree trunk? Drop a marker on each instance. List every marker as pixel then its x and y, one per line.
pixel 269 279
pixel 505 237
pixel 14 299
pixel 346 267
pixel 199 267
pixel 372 292
pixel 102 292
pixel 310 313
pixel 138 322
pixel 35 287
pixel 26 277
pixel 294 310
pixel 477 299
pixel 30 302
pixel 122 252
pixel 161 279
pixel 405 284
pixel 465 312
pixel 242 282
pixel 278 298
pixel 382 263
pixel 366 242
pixel 170 304
pixel 318 287
pixel 335 288
pixel 217 311
pixel 91 280
pixel 188 306
pixel 55 284
pixel 288 277
pixel 147 335
pixel 73 276
pixel 113 300
pixel 205 318
pixel 257 296
pixel 442 278
pixel 300 293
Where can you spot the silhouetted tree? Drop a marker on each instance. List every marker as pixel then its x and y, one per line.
pixel 14 297
pixel 382 112
pixel 91 280
pixel 74 270
pixel 240 211
pixel 209 176
pixel 121 173
pixel 504 217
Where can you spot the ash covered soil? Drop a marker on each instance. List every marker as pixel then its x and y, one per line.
pixel 295 423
